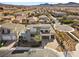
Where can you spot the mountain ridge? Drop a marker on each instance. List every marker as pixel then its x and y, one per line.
pixel 46 4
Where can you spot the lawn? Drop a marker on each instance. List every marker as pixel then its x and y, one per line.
pixel 67 21
pixel 27 11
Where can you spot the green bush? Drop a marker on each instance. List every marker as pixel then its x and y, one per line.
pixel 37 38
pixel 67 21
pixel 1 44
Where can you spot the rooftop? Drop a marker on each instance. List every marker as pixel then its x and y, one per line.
pixel 42 26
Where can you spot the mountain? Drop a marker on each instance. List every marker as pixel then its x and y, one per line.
pixel 70 4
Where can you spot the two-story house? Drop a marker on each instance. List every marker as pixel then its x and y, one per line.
pixel 45 31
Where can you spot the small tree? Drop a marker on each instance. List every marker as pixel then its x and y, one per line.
pixel 37 38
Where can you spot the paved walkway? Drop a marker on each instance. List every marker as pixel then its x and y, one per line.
pixel 8 47
pixel 6 50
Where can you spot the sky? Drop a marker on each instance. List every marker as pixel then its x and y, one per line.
pixel 35 2
pixel 24 3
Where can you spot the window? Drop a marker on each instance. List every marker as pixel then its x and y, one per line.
pixel 5 31
pixel 45 31
pixel 41 31
pixel 32 35
pixel 45 37
pixel 52 36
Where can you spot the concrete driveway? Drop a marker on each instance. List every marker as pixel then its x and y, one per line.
pixel 63 28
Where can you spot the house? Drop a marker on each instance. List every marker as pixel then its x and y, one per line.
pixel 76 26
pixel 72 17
pixel 32 20
pixel 20 14
pixel 1 18
pixel 11 31
pixel 43 19
pixel 6 35
pixel 9 8
pixel 19 19
pixel 8 17
pixel 1 14
pixel 59 14
pixel 45 31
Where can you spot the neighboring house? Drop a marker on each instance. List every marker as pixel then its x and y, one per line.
pixel 32 20
pixel 72 17
pixel 5 34
pixel 1 14
pixel 20 14
pixel 9 8
pixel 44 30
pixel 1 19
pixel 43 19
pixel 59 14
pixel 14 28
pixel 9 17
pixel 19 19
pixel 10 36
pixel 76 26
